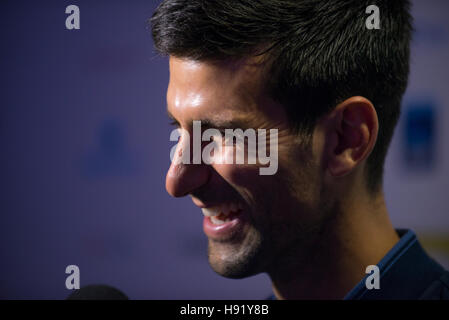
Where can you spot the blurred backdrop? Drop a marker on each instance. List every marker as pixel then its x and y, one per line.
pixel 84 148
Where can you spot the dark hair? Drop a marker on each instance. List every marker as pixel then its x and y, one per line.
pixel 323 53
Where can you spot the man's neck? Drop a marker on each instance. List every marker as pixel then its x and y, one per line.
pixel 360 236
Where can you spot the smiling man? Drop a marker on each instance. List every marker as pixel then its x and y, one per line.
pixel 331 88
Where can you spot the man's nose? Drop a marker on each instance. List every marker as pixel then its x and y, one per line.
pixel 183 179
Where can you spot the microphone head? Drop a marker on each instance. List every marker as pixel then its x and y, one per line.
pixel 97 292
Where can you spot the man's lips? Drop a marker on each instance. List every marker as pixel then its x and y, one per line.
pixel 227 230
pixel 222 221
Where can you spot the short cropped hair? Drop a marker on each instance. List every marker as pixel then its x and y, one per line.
pixel 321 51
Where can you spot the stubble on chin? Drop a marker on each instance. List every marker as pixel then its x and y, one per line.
pixel 237 260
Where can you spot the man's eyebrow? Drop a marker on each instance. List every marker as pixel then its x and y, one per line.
pixel 224 124
pixel 214 123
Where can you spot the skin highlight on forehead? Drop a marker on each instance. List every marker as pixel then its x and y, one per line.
pixel 220 94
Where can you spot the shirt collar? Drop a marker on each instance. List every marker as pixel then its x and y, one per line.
pixel 407 239
pixel 405 272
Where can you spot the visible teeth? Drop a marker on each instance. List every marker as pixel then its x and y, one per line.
pixel 224 209
pixel 216 221
pixel 211 212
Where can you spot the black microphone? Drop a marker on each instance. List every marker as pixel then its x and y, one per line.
pixel 97 292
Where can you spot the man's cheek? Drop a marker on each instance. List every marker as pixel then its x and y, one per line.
pixel 239 174
pixel 251 186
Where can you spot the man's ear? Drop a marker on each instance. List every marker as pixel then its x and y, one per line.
pixel 352 131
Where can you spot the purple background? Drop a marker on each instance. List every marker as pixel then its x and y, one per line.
pixel 84 145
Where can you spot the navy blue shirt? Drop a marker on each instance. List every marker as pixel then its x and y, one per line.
pixel 406 273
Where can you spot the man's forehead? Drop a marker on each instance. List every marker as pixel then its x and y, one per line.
pixel 228 68
pixel 216 77
pixel 226 90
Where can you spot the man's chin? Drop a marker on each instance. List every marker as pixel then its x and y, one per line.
pixel 230 262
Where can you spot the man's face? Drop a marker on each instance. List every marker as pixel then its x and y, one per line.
pixel 269 216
